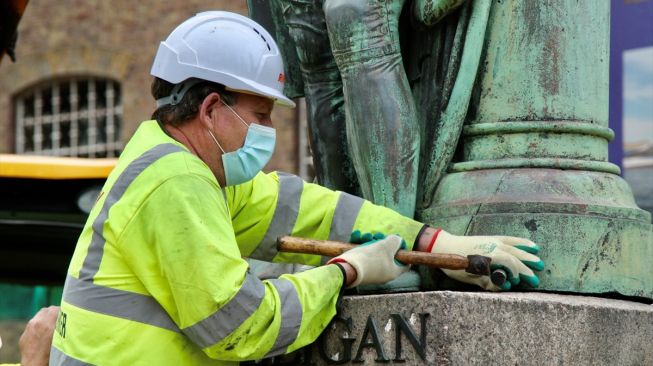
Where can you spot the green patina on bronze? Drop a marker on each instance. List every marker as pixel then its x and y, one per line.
pixel 532 157
pixel 508 103
pixel 362 118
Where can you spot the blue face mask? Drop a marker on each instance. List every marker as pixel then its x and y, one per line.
pixel 243 164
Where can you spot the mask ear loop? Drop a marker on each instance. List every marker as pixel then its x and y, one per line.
pixel 234 112
pixel 216 141
pixel 239 117
pixel 224 193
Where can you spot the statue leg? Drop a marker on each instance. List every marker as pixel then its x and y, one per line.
pixel 324 98
pixel 382 127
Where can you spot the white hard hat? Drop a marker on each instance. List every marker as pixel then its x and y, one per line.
pixel 224 48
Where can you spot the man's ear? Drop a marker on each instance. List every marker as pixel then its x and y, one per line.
pixel 210 106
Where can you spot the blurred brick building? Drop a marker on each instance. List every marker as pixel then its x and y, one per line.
pixel 80 84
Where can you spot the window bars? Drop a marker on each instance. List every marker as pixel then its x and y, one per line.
pixel 73 117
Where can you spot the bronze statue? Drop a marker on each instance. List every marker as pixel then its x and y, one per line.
pixel 366 133
pixel 484 117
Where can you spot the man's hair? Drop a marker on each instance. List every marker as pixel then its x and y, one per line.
pixel 187 108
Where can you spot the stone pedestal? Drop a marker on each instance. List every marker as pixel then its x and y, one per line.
pixel 479 328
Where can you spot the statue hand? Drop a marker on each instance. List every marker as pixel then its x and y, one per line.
pixel 429 12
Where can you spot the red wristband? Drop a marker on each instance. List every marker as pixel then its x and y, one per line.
pixel 336 260
pixel 432 243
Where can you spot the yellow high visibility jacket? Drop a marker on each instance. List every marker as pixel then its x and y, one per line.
pixel 158 275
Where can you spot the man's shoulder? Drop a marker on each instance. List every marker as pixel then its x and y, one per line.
pixel 149 164
pixel 182 168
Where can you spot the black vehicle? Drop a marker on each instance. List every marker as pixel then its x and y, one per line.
pixel 44 203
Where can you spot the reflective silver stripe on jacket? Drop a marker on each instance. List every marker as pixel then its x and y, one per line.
pixel 345 216
pixel 285 216
pixel 344 219
pixel 96 248
pixel 229 317
pixel 291 316
pixel 58 358
pixel 145 309
pixel 84 293
pixel 119 303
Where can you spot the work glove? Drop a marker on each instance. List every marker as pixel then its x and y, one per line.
pixel 516 256
pixel 358 237
pixel 374 261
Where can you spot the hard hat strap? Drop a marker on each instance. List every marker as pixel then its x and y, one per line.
pixel 178 92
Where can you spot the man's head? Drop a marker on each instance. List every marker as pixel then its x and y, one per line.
pixel 217 77
pixel 215 123
pixel 186 109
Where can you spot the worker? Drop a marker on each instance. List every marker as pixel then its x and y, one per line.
pixel 36 340
pixel 158 275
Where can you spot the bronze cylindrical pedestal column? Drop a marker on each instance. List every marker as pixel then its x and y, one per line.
pixel 534 149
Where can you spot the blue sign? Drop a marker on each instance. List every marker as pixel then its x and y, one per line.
pixel 631 95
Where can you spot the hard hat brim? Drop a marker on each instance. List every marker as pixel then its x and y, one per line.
pixel 264 91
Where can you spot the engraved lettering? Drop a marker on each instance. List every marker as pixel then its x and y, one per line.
pixel 401 326
pixel 371 329
pixel 347 343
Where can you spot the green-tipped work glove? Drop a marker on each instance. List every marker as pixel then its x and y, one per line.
pixel 516 256
pixel 375 261
pixel 357 237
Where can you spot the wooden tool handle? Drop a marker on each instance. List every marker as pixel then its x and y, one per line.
pixel 334 248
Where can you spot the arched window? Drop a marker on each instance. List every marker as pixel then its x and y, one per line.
pixel 80 116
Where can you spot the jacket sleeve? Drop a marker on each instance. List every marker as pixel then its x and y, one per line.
pixel 277 204
pixel 194 269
